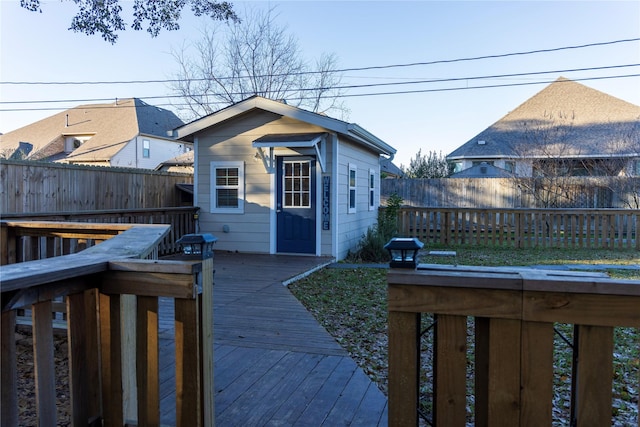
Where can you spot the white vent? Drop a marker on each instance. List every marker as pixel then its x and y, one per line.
pixel 481 142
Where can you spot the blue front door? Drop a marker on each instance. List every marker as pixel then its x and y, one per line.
pixel 296 205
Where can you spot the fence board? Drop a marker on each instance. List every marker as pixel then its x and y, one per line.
pixel 524 228
pixel 51 187
pixel 582 192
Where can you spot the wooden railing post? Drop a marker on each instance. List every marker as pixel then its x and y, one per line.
pixel 8 242
pixel 111 354
pixel 84 356
pixel 497 372
pixel 147 361
pixel 593 390
pixel 450 372
pixel 404 368
pixel 188 378
pixel 206 343
pixel 8 371
pixel 44 367
pixel 537 374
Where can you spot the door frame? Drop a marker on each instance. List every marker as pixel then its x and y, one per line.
pixel 274 202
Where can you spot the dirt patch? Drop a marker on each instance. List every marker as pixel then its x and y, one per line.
pixel 26 380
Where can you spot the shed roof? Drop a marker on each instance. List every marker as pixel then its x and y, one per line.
pixel 350 130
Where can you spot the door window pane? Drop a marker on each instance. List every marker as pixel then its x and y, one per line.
pixel 297 184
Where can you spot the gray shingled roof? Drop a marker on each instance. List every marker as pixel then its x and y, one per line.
pixel 565 118
pixel 111 126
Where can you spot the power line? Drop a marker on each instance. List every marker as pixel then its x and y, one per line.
pixel 370 85
pixel 482 87
pixel 355 69
pixel 339 96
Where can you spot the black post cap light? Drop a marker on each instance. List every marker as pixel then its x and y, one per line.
pixel 197 246
pixel 404 252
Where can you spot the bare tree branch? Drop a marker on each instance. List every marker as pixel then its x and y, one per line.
pixel 254 57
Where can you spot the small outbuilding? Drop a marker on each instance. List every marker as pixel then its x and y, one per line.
pixel 274 178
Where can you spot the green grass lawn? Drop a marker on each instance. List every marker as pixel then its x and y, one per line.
pixel 351 304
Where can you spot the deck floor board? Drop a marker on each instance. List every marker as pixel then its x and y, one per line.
pixel 274 365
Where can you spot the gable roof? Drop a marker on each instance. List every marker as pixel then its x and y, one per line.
pixel 184 159
pixel 110 126
pixel 350 130
pixel 387 166
pixel 589 123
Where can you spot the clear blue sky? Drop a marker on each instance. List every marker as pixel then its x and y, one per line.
pixel 39 48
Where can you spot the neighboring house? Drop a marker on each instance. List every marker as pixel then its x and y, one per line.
pixel 389 170
pixel 125 133
pixel 567 129
pixel 483 170
pixel 181 164
pixel 273 178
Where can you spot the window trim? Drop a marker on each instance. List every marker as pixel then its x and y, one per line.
pixel 352 209
pixel 213 190
pixel 511 169
pixel 301 205
pixel 146 148
pixel 372 189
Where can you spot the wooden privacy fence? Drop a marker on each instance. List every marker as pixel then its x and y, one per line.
pixel 522 228
pixel 182 220
pixel 514 312
pixel 111 293
pixel 576 192
pixel 28 186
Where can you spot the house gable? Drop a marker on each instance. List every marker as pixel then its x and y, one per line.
pixel 92 133
pixel 568 117
pixel 350 130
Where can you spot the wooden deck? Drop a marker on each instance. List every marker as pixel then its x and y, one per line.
pixel 274 364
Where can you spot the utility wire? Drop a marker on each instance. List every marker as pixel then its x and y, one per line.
pixel 370 85
pixel 336 96
pixel 375 67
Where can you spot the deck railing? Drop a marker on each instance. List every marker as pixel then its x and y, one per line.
pixel 523 228
pixel 111 292
pixel 514 311
pixel 183 221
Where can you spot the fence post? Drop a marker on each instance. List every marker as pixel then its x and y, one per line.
pixel 447 227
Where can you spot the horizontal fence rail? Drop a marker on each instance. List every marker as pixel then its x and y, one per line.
pixel 513 311
pixel 111 293
pixel 44 245
pixel 523 228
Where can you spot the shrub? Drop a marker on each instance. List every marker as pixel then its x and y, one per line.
pixel 371 246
